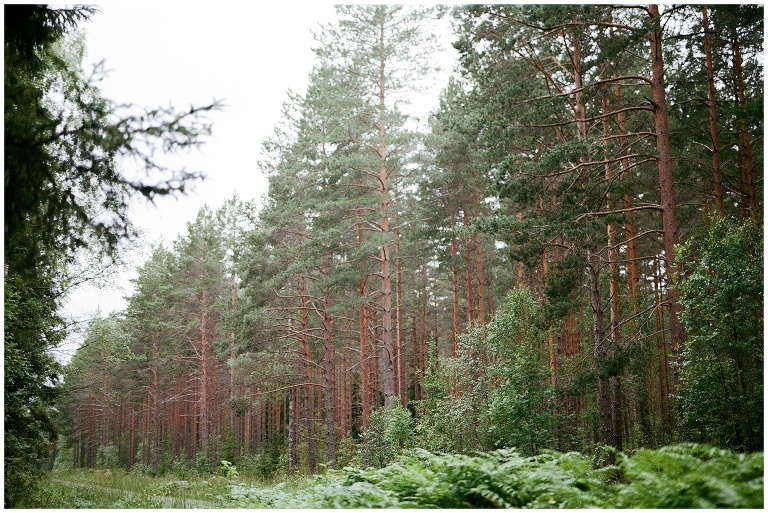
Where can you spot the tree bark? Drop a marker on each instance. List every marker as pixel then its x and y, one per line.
pixel 746 161
pixel 711 100
pixel 613 299
pixel 455 278
pixel 388 367
pixel 666 185
pixel 328 382
pixel 607 425
pixel 399 349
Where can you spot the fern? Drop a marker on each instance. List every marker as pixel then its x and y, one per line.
pixel 679 476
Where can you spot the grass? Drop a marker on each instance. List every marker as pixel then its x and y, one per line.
pixel 55 495
pixel 118 489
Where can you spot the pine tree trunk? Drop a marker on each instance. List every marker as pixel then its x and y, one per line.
pixel 387 363
pixel 204 413
pixel 328 382
pixel 480 280
pixel 415 343
pixel 468 279
pixel 400 390
pixel 716 165
pixel 633 270
pixel 365 384
pixel 746 161
pixel 293 430
pixel 607 425
pixel 551 341
pixel 666 185
pixel 307 374
pixel 661 348
pixel 614 276
pixel 455 276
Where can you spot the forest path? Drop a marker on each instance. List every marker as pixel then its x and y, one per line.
pixel 172 502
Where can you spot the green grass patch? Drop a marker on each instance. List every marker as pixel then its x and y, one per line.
pixel 136 487
pixel 55 495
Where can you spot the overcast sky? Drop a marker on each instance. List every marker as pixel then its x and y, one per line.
pixel 246 54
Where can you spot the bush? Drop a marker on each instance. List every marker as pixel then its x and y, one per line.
pixel 496 392
pixel 107 456
pixel 389 432
pixel 228 470
pixel 180 467
pixel 202 465
pixel 721 380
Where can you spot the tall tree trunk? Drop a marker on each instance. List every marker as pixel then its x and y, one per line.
pixel 416 353
pixel 746 161
pixel 293 430
pixel 388 366
pixel 661 348
pixel 633 268
pixel 469 282
pixel 328 382
pixel 551 340
pixel 613 299
pixel 455 277
pixel 480 279
pixel 365 384
pixel 607 434
pixel 716 165
pixel 307 366
pixel 399 349
pixel 204 413
pixel 666 185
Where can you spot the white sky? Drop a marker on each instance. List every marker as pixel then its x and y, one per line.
pixel 246 54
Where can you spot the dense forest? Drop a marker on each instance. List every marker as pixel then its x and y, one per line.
pixel 567 255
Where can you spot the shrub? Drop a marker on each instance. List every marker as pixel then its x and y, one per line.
pixel 389 432
pixel 721 290
pixel 107 456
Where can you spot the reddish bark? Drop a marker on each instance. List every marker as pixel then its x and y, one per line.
pixel 666 183
pixel 711 100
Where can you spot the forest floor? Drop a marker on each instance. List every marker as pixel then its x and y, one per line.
pixel 171 502
pixel 105 489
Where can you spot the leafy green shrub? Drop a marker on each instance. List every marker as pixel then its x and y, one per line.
pixel 142 469
pixel 107 456
pixel 64 455
pixel 202 465
pixel 497 392
pixel 244 496
pixel 133 501
pixel 424 480
pixel 721 290
pixel 389 432
pixel 180 467
pixel 228 470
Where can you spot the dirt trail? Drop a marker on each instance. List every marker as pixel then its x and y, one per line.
pixel 173 502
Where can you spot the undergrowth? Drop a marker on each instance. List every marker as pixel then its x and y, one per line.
pixel 679 476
